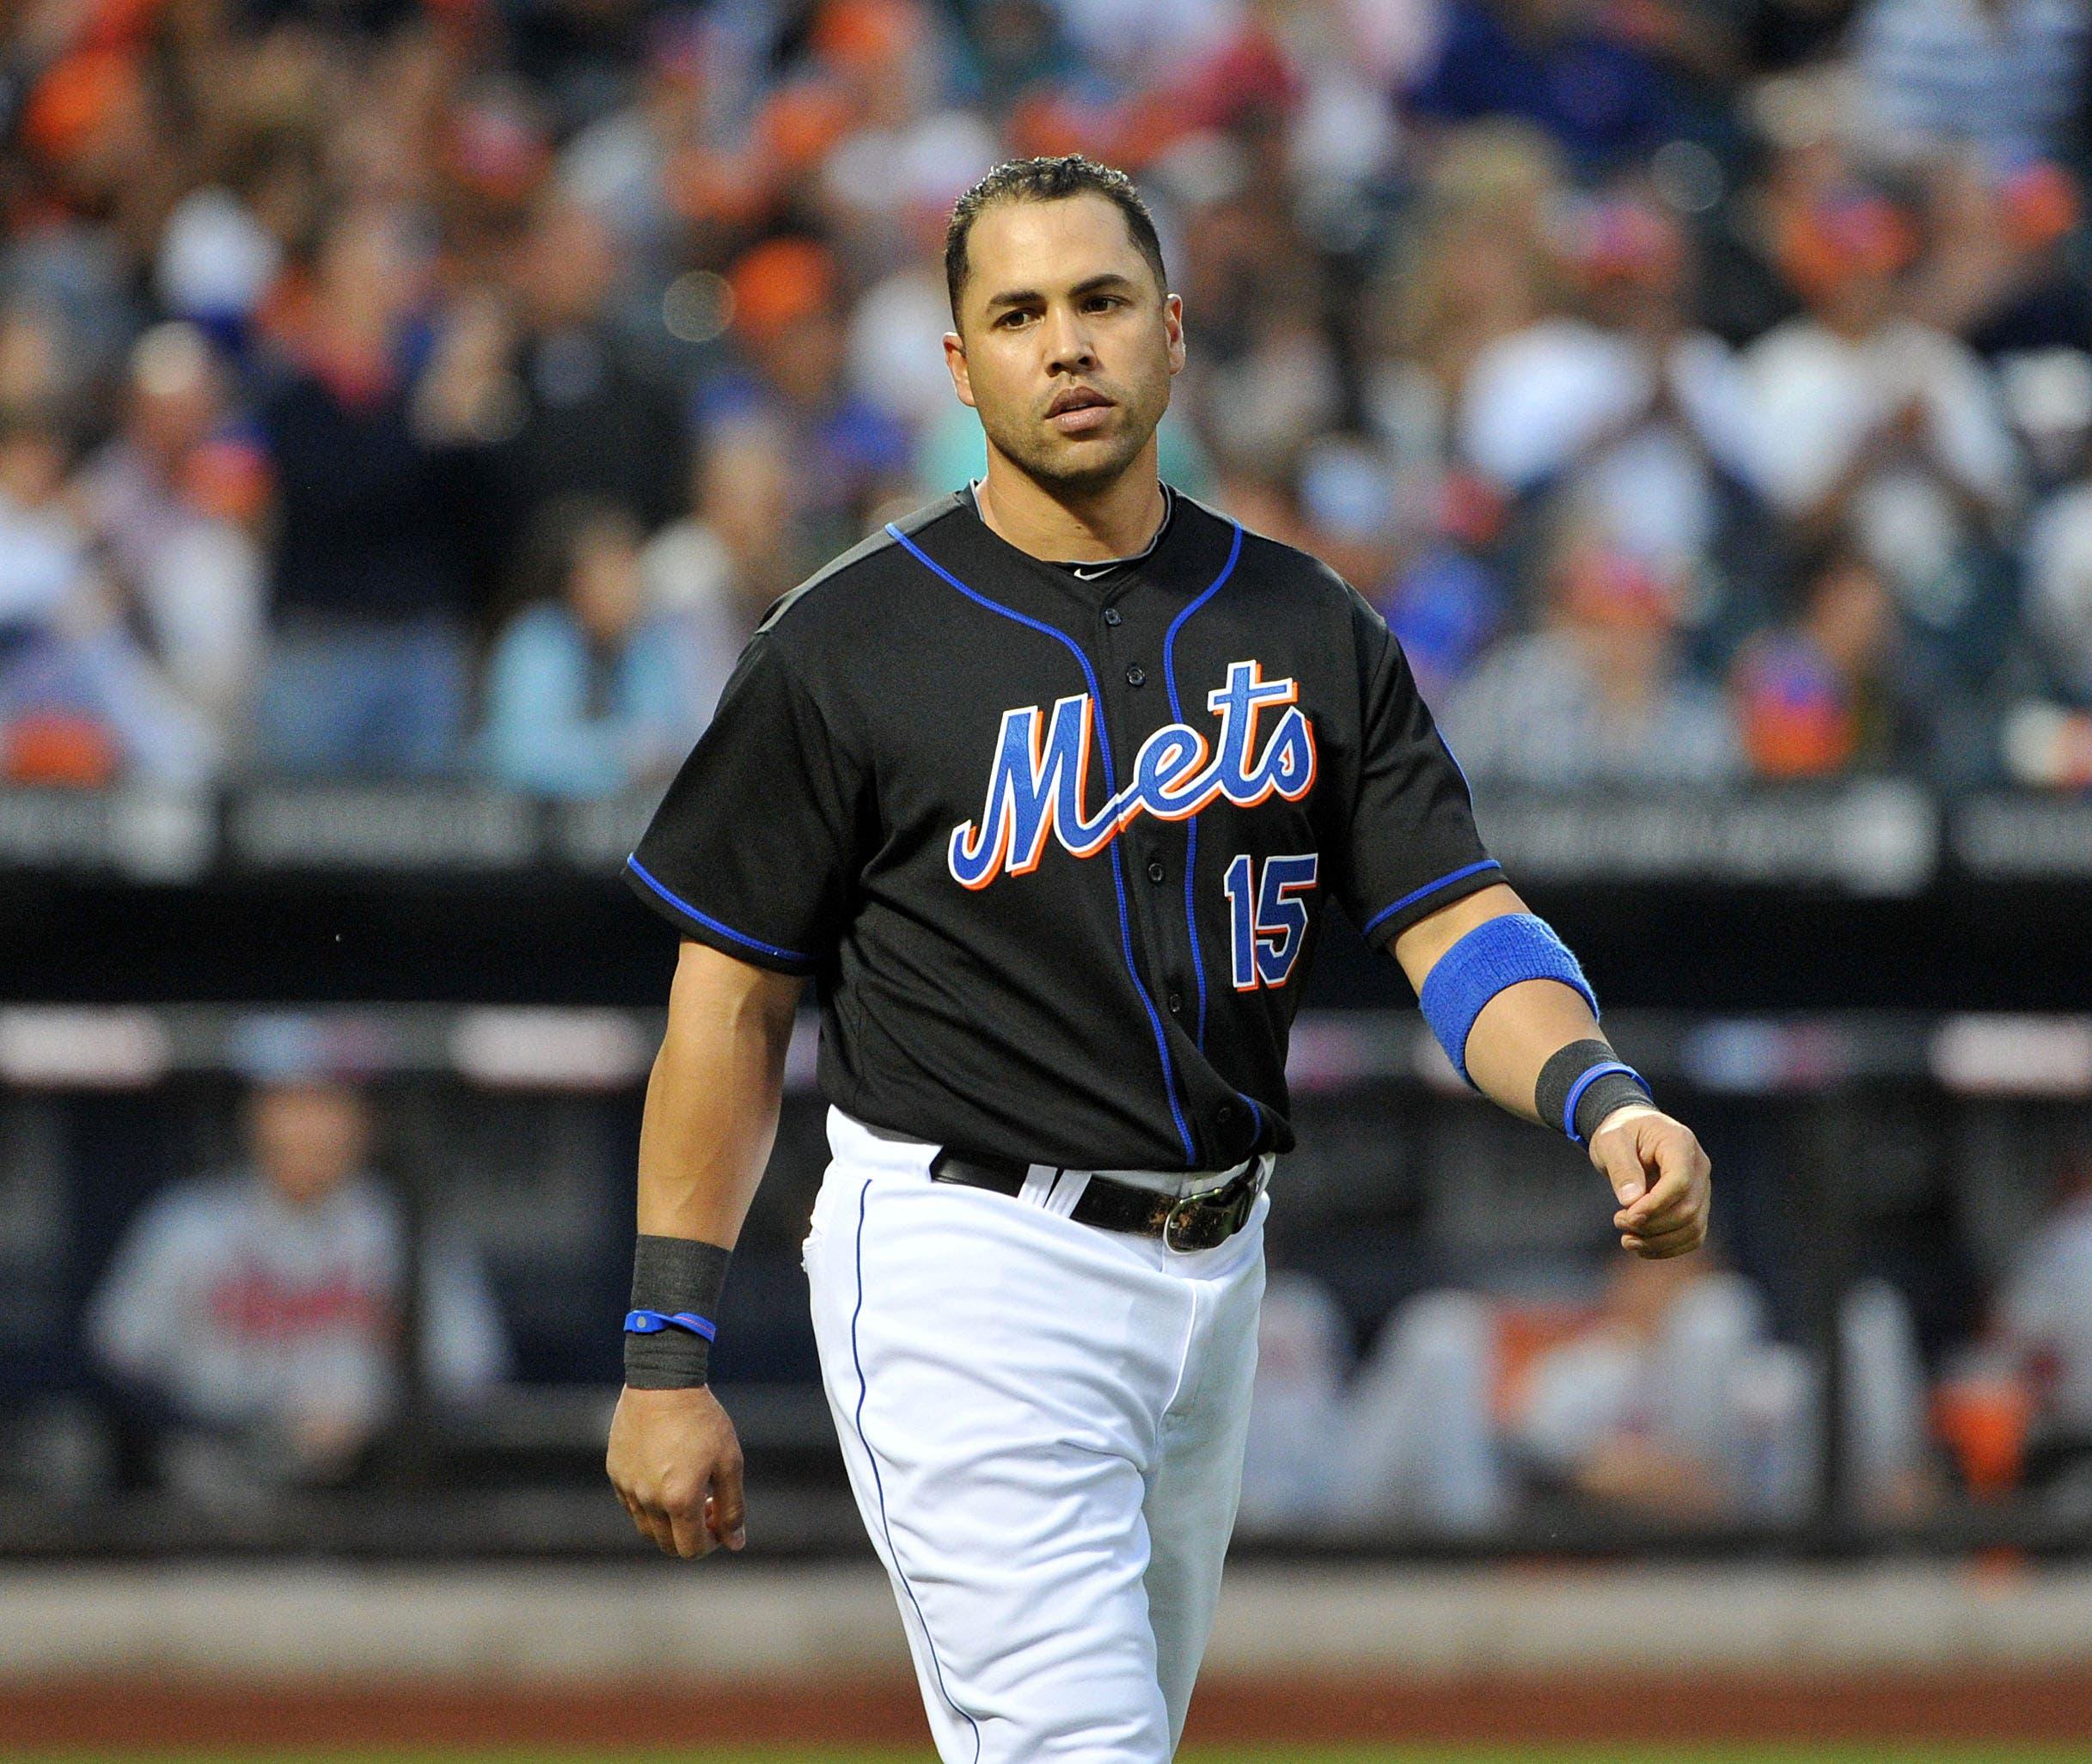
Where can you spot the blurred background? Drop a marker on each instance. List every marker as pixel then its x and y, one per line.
pixel 407 409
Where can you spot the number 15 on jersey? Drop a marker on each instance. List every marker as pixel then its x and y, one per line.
pixel 1267 918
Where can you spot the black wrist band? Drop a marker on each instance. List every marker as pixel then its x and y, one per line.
pixel 673 1277
pixel 1580 1085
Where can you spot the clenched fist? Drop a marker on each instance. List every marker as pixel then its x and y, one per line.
pixel 1661 1177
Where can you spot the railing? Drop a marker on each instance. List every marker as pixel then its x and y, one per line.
pixel 518 1124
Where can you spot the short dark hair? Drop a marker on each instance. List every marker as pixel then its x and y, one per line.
pixel 1048 181
pixel 553 542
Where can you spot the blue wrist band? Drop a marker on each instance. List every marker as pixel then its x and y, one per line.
pixel 653 1322
pixel 1498 953
pixel 1577 1089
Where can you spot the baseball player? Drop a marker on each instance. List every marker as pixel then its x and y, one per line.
pixel 1047 787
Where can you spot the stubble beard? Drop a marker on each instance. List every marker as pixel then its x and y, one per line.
pixel 1086 466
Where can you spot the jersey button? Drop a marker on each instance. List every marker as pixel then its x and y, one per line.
pixel 1224 1112
pixel 1135 674
pixel 1176 1003
pixel 1111 615
pixel 1154 869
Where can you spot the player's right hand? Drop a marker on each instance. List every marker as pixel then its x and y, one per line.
pixel 676 1463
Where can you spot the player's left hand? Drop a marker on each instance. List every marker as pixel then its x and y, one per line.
pixel 1662 1178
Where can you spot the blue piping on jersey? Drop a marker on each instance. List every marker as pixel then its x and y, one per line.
pixel 878 1482
pixel 1118 874
pixel 1177 714
pixel 1417 894
pixel 682 905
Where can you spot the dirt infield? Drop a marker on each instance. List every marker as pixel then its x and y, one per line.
pixel 1228 1711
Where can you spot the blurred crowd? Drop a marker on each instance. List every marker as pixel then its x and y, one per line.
pixel 412 387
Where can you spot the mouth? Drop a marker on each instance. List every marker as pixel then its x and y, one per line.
pixel 1079 408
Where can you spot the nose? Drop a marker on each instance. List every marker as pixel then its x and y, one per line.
pixel 1067 338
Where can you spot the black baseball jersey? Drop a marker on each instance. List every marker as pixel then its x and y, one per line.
pixel 1056 845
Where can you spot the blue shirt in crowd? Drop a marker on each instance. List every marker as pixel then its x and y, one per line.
pixel 564 719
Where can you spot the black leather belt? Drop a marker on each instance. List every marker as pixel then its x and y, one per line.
pixel 1195 1221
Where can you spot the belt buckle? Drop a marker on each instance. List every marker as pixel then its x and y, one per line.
pixel 1186 1229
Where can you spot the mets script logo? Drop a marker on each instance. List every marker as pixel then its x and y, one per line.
pixel 1039 781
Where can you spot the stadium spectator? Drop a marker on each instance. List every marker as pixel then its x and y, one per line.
pixel 910 151
pixel 2043 1314
pixel 622 166
pixel 98 166
pixel 2004 76
pixel 1565 65
pixel 1873 422
pixel 588 418
pixel 1834 690
pixel 850 457
pixel 2047 732
pixel 1476 265
pixel 1297 1406
pixel 1631 410
pixel 1599 695
pixel 1419 1450
pixel 587 693
pixel 379 494
pixel 250 1323
pixel 717 570
pixel 1995 270
pixel 53 731
pixel 80 703
pixel 174 499
pixel 1446 606
pixel 1674 1400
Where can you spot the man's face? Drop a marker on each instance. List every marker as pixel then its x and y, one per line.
pixel 1067 343
pixel 307 1138
pixel 569 266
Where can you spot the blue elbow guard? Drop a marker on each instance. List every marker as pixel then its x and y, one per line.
pixel 1498 953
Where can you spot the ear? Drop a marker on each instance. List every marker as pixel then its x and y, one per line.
pixel 1173 328
pixel 955 361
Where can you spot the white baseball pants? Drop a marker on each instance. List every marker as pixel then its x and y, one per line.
pixel 1043 1423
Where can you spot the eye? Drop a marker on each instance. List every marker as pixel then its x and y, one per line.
pixel 1098 303
pixel 1015 316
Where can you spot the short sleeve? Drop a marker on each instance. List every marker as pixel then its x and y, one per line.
pixel 137 1314
pixel 1410 846
pixel 751 849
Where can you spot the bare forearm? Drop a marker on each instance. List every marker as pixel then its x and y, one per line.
pixel 1518 1031
pixel 711 1119
pixel 711 1101
pixel 1523 1026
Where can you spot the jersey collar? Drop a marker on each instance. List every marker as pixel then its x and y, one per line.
pixel 1086 570
pixel 1181 557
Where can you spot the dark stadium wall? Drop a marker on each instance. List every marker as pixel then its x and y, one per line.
pixel 553 937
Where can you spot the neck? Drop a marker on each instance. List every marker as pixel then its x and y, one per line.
pixel 1086 525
